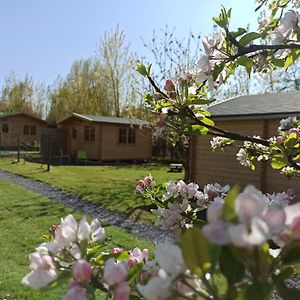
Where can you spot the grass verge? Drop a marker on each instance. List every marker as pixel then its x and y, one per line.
pixel 24 218
pixel 108 186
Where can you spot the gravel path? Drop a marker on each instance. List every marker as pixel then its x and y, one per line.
pixel 146 231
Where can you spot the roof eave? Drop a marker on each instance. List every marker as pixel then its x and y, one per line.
pixel 254 116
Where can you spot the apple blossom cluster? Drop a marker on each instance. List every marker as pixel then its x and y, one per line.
pixel 287 29
pixel 181 202
pixel 145 185
pixel 251 151
pixel 219 143
pixel 169 276
pixel 257 219
pixel 70 253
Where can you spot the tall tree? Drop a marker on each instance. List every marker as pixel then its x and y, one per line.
pixel 117 61
pixel 23 95
pixel 83 91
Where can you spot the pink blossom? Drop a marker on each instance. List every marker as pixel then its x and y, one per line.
pixel 249 204
pixel 215 210
pixel 295 229
pixel 115 272
pixel 84 229
pixel 76 292
pixel 157 288
pixel 82 271
pixel 97 231
pixel 242 236
pixel 217 232
pixel 122 291
pixel 169 258
pixel 43 271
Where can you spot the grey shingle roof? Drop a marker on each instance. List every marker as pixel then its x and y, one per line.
pixel 104 119
pixel 280 104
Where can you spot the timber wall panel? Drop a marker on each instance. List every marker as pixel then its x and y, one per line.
pixel 217 166
pixel 113 150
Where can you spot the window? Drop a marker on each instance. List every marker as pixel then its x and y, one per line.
pixel 29 130
pixel 89 133
pixel 32 130
pixel 5 127
pixel 74 133
pixel 122 135
pixel 126 135
pixel 26 130
pixel 131 135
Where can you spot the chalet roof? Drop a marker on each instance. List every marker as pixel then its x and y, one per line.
pixel 9 115
pixel 105 119
pixel 258 106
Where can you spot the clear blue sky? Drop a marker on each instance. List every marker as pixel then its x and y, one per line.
pixel 43 37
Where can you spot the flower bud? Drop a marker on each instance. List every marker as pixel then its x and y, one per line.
pixel 280 140
pixel 169 86
pixel 117 250
pixel 157 96
pixel 82 271
pixel 181 81
pixel 172 95
pixel 147 180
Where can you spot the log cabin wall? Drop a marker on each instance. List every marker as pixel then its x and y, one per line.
pixel 28 128
pixel 105 146
pixel 209 166
pixel 115 149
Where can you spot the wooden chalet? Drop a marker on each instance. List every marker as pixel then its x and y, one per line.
pixel 248 115
pixel 20 127
pixel 107 138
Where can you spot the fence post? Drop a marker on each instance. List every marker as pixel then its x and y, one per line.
pixel 0 143
pixel 49 152
pixel 19 142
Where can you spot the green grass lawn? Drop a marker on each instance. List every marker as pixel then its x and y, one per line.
pixel 24 218
pixel 109 186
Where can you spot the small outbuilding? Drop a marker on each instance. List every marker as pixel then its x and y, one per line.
pixel 21 128
pixel 107 138
pixel 248 115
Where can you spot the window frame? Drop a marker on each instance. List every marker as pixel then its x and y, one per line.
pixel 26 129
pixel 89 134
pixel 5 128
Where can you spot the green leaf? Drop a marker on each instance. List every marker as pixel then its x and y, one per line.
pixel 291 140
pixel 248 38
pixel 278 161
pixel 291 58
pixel 134 272
pixel 239 32
pixel 229 205
pixel 217 70
pixel 141 68
pixel 245 62
pixel 207 121
pixel 195 251
pixel 232 269
pixel 278 62
pixel 195 130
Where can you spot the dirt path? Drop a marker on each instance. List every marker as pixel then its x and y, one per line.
pixel 146 231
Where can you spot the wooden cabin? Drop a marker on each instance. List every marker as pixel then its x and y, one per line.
pixel 107 138
pixel 248 115
pixel 20 127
